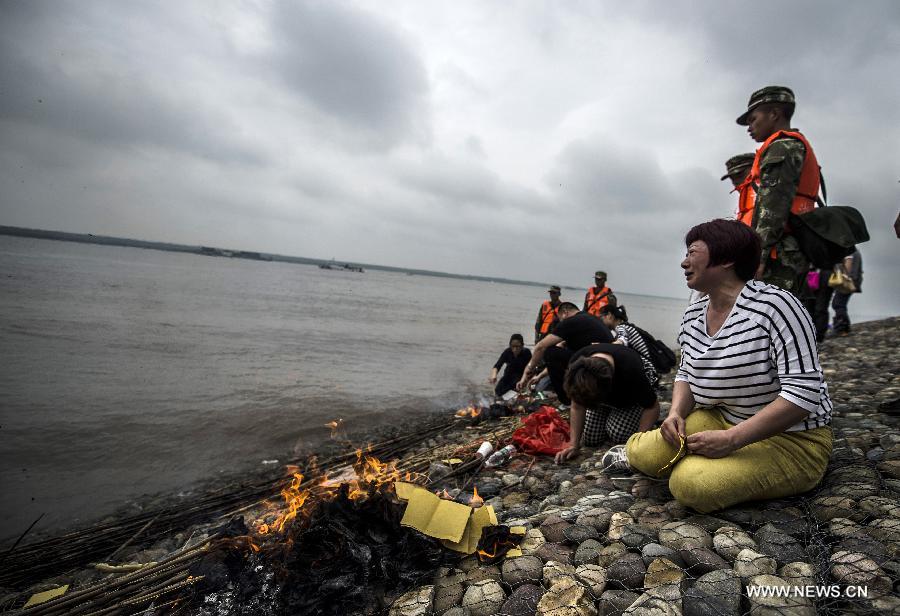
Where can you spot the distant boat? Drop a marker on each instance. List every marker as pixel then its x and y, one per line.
pixel 344 267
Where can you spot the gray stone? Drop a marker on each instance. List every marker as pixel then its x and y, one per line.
pixel 617 524
pixel 649 604
pixel 483 572
pixel 579 533
pixel 533 541
pixel 698 561
pixel 864 544
pixel 842 527
pixel 456 611
pixel 611 553
pixel 626 573
pixel 857 569
pixel 417 602
pixel 708 523
pixel 615 602
pixel 663 571
pixel 789 521
pixel 780 546
pixel 523 601
pixel 638 535
pixel 884 530
pixel 593 577
pixel 587 552
pixel 554 529
pixel 447 594
pixel 652 551
pixel 825 508
pixel 750 564
pixel 483 598
pixel 678 535
pixel 729 541
pixel 597 517
pixel 854 491
pixel 522 570
pixel 798 574
pixel 880 507
pixel 718 593
pixel 554 570
pixel 772 605
pixel 555 552
pixel 566 598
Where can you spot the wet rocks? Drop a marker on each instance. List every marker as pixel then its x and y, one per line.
pixel 627 572
pixel 678 535
pixel 717 593
pixel 483 598
pixel 523 601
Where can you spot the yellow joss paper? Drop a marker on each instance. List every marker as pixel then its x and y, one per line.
pixel 42 597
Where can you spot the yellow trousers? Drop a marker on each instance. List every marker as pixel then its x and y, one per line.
pixel 782 465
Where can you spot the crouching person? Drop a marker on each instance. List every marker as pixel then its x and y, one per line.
pixel 611 395
pixel 750 416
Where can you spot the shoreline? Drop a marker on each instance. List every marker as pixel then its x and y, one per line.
pixel 856 510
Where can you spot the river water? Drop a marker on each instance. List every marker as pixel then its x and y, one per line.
pixel 129 371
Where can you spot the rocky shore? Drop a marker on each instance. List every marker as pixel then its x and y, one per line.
pixel 599 543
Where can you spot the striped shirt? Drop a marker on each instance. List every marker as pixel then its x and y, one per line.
pixel 632 339
pixel 765 348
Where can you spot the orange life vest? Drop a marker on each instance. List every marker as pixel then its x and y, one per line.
pixel 593 304
pixel 746 201
pixel 807 189
pixel 549 313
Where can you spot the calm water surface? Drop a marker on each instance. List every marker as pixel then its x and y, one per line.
pixel 130 371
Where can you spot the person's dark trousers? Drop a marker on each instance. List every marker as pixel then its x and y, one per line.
pixel 841 323
pixel 817 305
pixel 557 361
pixel 506 382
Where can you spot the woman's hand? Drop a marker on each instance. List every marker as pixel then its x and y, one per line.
pixel 711 443
pixel 672 429
pixel 568 452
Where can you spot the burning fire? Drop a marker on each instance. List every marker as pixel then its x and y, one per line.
pixel 469 411
pixel 365 476
pixel 476 500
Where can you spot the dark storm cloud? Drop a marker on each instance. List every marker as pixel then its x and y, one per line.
pixel 64 72
pixel 352 67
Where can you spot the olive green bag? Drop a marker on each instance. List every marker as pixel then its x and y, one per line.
pixel 828 234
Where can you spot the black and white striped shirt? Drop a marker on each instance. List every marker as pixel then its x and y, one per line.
pixel 766 348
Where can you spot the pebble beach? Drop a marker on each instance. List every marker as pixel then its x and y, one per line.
pixel 618 543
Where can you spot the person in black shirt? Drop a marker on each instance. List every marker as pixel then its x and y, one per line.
pixel 515 357
pixel 575 330
pixel 611 397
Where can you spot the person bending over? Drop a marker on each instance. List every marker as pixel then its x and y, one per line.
pixel 515 357
pixel 574 331
pixel 750 416
pixel 616 319
pixel 611 397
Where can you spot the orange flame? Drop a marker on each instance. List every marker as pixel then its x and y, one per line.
pixel 469 411
pixel 476 500
pixel 366 475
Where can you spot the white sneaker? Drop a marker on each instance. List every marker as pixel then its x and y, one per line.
pixel 615 459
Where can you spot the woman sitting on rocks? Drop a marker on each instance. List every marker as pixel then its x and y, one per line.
pixel 750 416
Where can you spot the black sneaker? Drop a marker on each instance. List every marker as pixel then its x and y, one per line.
pixel 615 459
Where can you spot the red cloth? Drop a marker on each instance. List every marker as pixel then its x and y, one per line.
pixel 544 431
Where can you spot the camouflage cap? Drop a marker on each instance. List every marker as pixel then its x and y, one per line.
pixel 736 164
pixel 769 94
pixel 554 289
pixel 599 274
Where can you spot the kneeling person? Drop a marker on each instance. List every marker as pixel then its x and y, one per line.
pixel 611 397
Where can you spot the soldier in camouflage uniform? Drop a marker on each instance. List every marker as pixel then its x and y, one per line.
pixel 776 176
pixel 737 168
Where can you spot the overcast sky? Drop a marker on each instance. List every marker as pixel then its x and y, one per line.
pixel 529 140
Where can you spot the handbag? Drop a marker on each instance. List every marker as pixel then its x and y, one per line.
pixel 841 282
